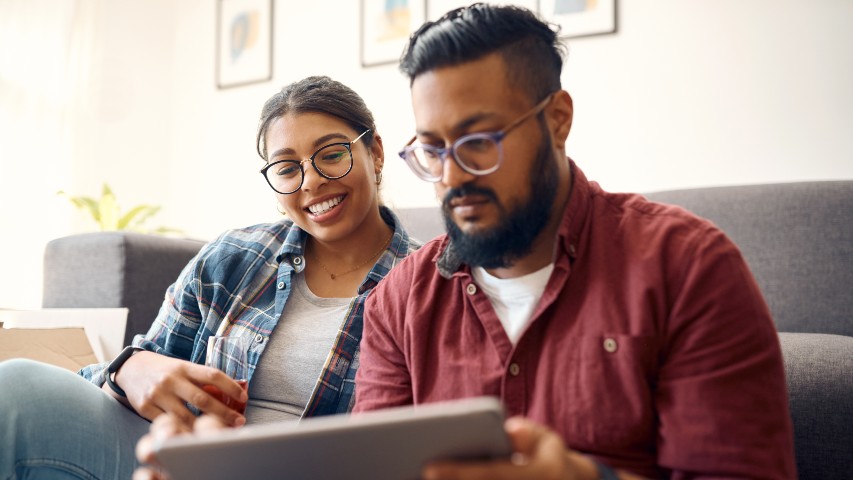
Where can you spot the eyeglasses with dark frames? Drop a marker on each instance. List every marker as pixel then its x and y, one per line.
pixel 478 153
pixel 332 161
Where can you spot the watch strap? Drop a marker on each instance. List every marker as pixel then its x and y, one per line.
pixel 115 365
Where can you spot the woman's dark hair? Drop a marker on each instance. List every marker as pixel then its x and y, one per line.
pixel 316 94
pixel 530 47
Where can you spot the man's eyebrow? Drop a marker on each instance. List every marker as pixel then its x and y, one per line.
pixel 324 140
pixel 462 127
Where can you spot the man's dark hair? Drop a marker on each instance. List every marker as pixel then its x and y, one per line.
pixel 530 47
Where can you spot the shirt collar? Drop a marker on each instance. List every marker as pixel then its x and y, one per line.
pixel 293 248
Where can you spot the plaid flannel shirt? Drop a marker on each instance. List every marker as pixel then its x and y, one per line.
pixel 238 284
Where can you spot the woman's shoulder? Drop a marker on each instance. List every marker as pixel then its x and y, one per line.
pixel 258 237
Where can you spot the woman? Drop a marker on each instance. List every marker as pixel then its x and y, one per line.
pixel 295 289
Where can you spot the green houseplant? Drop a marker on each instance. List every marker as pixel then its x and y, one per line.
pixel 106 212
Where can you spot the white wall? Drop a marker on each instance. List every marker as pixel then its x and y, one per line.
pixel 687 93
pixel 694 93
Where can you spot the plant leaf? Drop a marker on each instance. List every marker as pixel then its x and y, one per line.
pixel 87 204
pixel 107 214
pixel 108 208
pixel 137 216
pixel 166 230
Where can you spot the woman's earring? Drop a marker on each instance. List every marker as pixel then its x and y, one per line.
pixel 278 207
pixel 379 177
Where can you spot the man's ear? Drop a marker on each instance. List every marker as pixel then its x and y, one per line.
pixel 378 153
pixel 560 114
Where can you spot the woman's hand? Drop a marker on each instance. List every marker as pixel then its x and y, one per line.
pixel 156 384
pixel 166 426
pixel 538 453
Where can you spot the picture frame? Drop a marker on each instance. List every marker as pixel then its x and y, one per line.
pixel 244 42
pixel 580 18
pixel 385 28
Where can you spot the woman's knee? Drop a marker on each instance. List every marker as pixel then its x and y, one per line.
pixel 33 386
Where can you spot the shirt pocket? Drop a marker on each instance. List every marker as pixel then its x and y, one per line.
pixel 610 390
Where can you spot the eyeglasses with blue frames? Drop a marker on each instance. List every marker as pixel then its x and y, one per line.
pixel 478 153
pixel 332 161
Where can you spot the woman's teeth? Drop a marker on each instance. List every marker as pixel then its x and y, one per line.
pixel 323 207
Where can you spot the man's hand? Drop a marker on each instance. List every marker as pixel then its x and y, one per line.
pixel 538 453
pixel 157 384
pixel 166 426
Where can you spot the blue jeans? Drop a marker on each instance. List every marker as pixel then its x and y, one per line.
pixel 56 425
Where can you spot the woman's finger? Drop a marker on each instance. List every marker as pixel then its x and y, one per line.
pixel 194 392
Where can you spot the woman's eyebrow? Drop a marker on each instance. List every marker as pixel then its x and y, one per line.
pixel 325 139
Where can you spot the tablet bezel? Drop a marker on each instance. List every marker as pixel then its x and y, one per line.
pixel 391 443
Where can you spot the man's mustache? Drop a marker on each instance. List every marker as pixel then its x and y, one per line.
pixel 466 190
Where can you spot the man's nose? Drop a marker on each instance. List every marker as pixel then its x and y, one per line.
pixel 452 175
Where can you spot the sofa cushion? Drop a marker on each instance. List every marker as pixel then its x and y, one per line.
pixel 818 369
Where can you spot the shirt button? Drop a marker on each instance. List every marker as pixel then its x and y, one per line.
pixel 471 289
pixel 281 285
pixel 514 369
pixel 297 260
pixel 259 338
pixel 610 345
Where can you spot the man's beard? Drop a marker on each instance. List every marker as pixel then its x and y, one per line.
pixel 512 238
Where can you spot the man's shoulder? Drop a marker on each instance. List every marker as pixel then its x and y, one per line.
pixel 418 266
pixel 636 205
pixel 633 212
pixel 423 259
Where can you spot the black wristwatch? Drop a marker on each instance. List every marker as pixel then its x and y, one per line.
pixel 116 364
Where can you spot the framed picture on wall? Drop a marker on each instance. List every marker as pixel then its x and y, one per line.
pixel 243 42
pixel 385 28
pixel 580 18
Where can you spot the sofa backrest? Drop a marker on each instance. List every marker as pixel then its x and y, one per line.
pixel 422 223
pixel 798 241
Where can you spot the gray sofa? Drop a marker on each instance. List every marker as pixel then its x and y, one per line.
pixel 796 237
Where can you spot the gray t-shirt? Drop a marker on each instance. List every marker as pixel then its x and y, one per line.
pixel 292 361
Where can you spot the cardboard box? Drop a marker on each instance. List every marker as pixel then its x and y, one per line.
pixel 64 347
pixel 68 337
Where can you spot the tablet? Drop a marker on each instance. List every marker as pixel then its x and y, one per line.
pixel 394 443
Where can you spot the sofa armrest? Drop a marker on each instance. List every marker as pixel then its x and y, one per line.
pixel 114 269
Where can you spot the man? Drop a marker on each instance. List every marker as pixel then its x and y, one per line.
pixel 630 336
